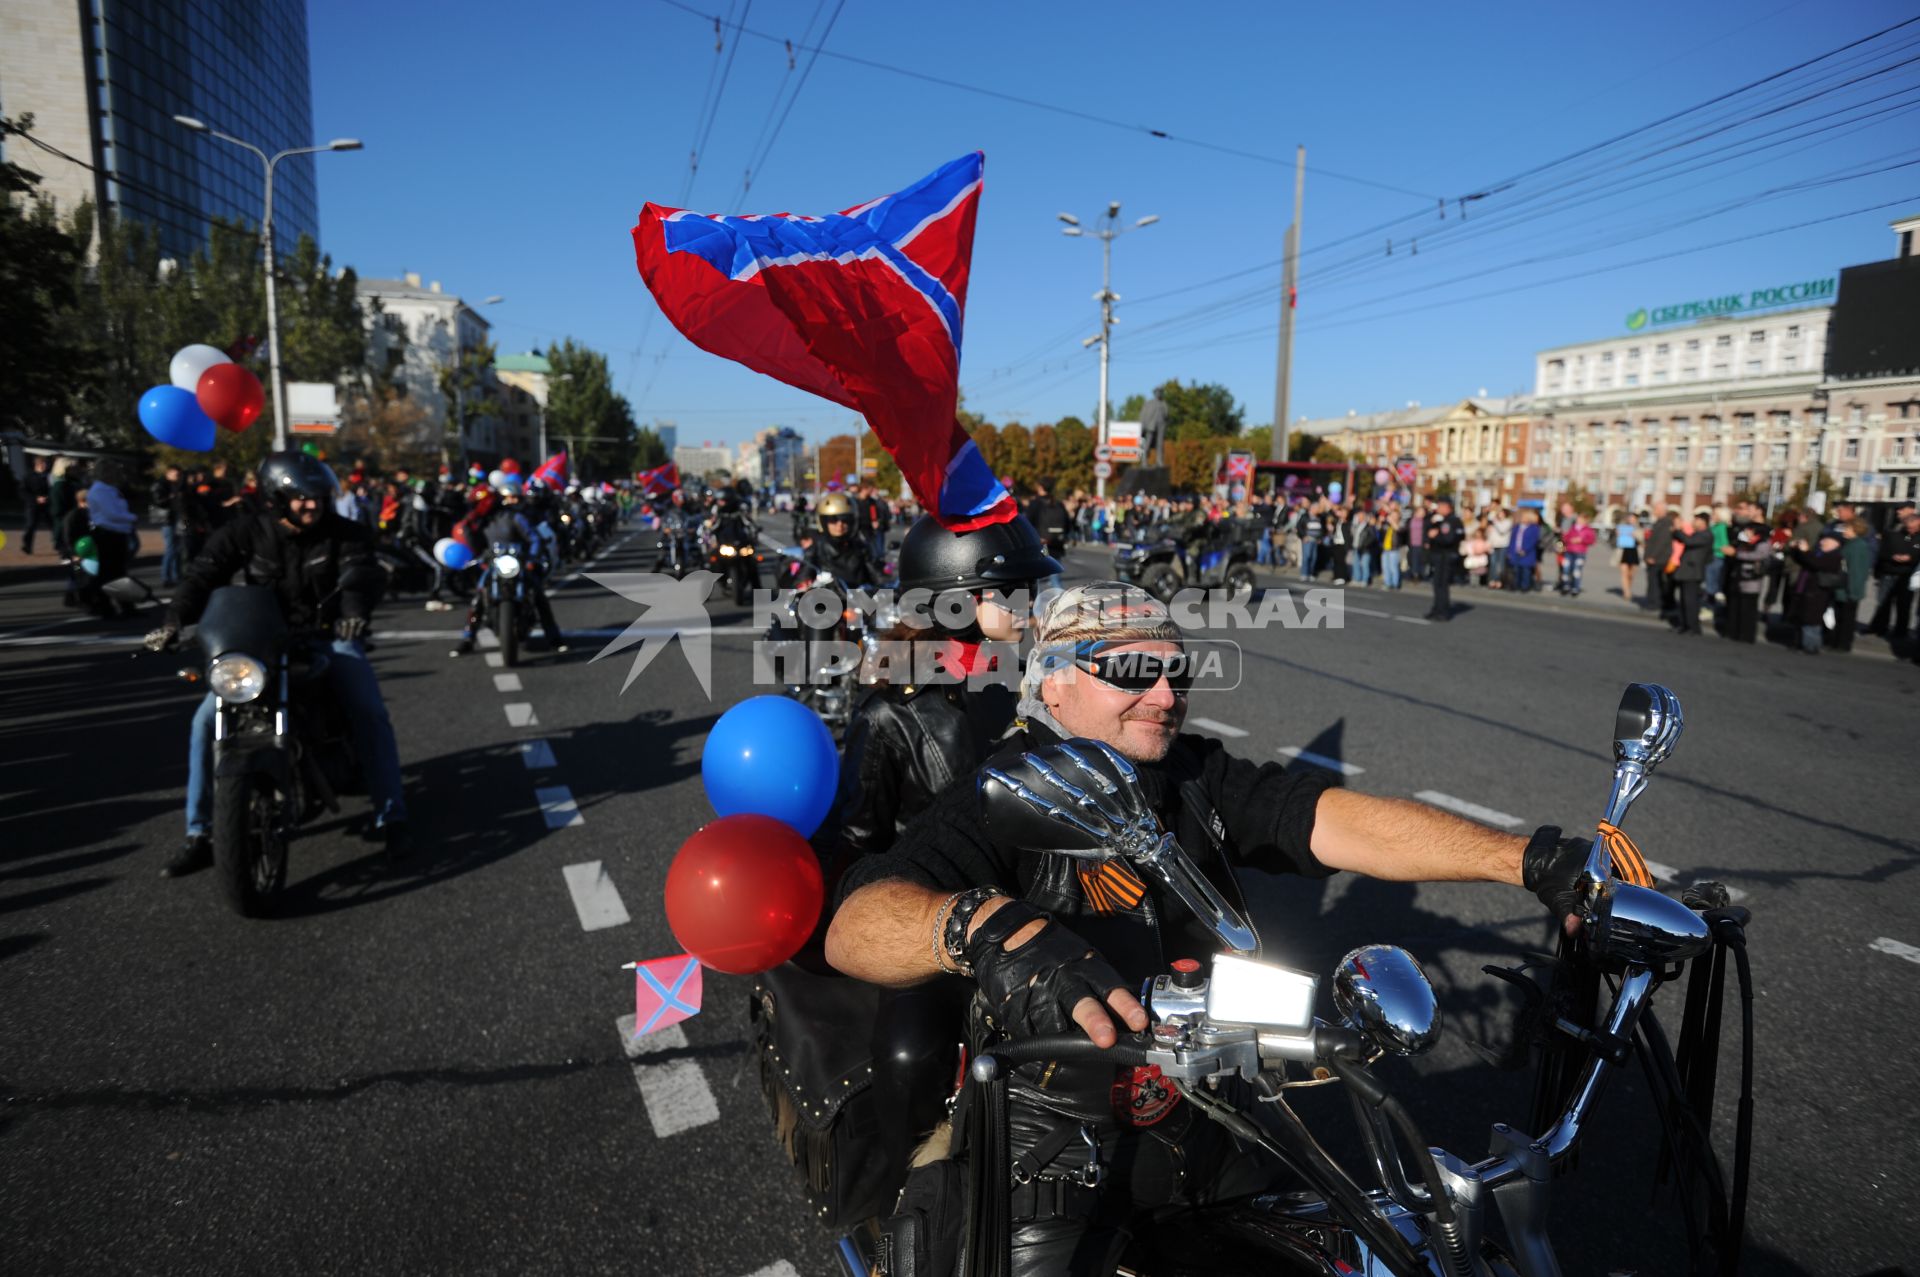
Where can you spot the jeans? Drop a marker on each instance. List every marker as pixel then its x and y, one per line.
pixel 1390 569
pixel 1810 638
pixel 1362 567
pixel 169 556
pixel 1523 576
pixel 1497 564
pixel 1265 544
pixel 350 680
pixel 1573 567
pixel 1309 558
pixel 1716 571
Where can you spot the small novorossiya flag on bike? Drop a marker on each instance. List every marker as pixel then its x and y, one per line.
pixel 862 307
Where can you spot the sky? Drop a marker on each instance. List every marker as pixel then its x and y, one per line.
pixel 509 151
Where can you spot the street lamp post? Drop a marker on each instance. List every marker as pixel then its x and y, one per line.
pixel 1107 229
pixel 278 389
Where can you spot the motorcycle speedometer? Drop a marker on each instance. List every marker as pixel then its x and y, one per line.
pixel 237 678
pixel 507 566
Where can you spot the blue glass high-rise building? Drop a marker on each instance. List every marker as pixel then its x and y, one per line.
pixel 104 79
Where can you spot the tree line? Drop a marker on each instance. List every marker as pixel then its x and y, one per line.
pixel 91 311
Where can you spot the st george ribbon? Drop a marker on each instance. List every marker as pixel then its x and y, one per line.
pixel 862 307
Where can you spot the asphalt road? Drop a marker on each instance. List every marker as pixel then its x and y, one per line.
pixel 422 1070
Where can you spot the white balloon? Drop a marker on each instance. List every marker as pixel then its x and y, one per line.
pixel 497 478
pixel 190 362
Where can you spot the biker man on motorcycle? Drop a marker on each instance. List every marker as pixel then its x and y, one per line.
pixel 947 899
pixel 301 548
pixel 840 549
pixel 507 522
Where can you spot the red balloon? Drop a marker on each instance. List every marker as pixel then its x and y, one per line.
pixel 509 466
pixel 743 894
pixel 231 396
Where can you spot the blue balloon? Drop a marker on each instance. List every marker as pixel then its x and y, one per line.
pixel 452 554
pixel 771 756
pixel 174 417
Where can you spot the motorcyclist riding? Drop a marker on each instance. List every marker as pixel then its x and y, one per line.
pixel 1092 1147
pixel 840 549
pixel 301 548
pixel 505 521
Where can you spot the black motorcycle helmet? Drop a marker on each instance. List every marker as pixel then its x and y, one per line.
pixel 1004 556
pixel 284 475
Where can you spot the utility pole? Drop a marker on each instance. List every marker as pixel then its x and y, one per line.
pixel 1289 290
pixel 1109 230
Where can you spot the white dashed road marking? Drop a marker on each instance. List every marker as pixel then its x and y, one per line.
pixel 1896 948
pixel 675 1091
pixel 506 683
pixel 557 805
pixel 595 898
pixel 1367 611
pixel 1321 761
pixel 495 660
pixel 780 1268
pixel 1218 729
pixel 1472 811
pixel 1666 873
pixel 487 638
pixel 520 714
pixel 537 755
pixel 1414 620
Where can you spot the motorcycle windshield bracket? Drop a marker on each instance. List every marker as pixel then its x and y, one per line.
pixel 1083 799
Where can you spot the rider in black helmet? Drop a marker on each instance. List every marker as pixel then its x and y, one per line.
pixel 323 569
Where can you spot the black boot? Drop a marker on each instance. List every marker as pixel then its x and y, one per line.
pixel 399 841
pixel 194 855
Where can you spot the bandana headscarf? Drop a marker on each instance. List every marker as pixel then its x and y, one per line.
pixel 1084 620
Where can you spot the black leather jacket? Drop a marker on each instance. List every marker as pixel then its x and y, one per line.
pixel 904 746
pixel 850 562
pixel 305 569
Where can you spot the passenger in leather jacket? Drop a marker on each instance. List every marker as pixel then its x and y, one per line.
pixel 905 743
pixel 909 741
pixel 949 901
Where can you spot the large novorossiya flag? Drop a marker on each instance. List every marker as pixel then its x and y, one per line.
pixel 862 307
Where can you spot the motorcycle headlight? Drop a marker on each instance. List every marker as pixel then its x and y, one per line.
pixel 237 678
pixel 727 551
pixel 507 566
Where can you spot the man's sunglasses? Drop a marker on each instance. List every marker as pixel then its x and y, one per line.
pixel 1139 672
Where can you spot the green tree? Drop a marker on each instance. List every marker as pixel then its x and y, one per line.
pixel 465 384
pixel 1802 491
pixel 583 407
pixel 1581 498
pixel 40 265
pixel 1202 410
pixel 649 450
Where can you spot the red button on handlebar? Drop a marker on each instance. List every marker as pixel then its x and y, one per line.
pixel 1186 964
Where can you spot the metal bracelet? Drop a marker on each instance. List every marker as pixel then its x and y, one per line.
pixel 936 940
pixel 960 918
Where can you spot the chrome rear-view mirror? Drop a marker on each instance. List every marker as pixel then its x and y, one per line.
pixel 1383 993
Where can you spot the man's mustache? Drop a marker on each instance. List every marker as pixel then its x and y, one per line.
pixel 1147 714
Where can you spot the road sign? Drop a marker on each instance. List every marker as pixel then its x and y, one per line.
pixel 1102 453
pixel 869 463
pixel 1103 469
pixel 1123 438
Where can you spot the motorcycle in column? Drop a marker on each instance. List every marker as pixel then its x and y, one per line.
pixel 282 752
pixel 820 613
pixel 736 557
pixel 504 580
